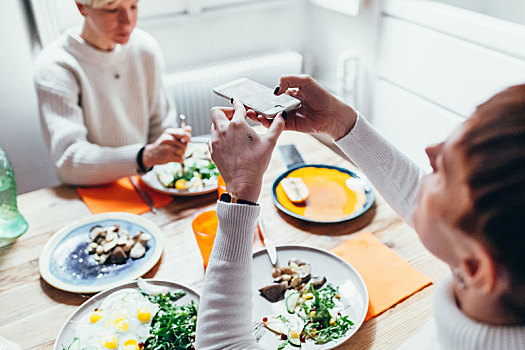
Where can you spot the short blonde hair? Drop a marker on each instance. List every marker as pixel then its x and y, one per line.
pixel 97 3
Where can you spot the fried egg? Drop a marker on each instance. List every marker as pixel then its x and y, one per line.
pixel 121 322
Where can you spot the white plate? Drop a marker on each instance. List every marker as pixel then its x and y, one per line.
pixel 67 332
pixel 151 180
pixel 65 265
pixel 338 272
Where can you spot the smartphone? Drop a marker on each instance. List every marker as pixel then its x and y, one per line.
pixel 258 97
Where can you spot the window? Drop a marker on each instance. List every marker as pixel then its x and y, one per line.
pixel 52 17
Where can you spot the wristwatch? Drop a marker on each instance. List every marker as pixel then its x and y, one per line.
pixel 229 197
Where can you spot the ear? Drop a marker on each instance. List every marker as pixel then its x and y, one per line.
pixel 479 269
pixel 82 9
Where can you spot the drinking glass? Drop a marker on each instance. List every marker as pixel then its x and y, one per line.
pixel 12 223
pixel 205 228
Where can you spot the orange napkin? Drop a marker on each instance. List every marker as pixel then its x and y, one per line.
pixel 120 196
pixel 388 278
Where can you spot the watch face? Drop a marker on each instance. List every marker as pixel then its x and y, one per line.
pixel 226 197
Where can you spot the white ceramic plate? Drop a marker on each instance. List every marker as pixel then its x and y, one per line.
pixel 152 181
pixel 338 272
pixel 67 332
pixel 65 264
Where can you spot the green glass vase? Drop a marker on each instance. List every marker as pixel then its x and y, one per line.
pixel 12 223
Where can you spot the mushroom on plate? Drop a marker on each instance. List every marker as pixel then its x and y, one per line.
pixel 114 245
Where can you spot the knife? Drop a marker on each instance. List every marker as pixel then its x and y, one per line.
pixel 268 243
pixel 143 194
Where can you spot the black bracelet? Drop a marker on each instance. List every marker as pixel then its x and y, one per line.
pixel 142 169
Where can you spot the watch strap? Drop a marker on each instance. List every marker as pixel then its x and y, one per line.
pixel 140 162
pixel 229 197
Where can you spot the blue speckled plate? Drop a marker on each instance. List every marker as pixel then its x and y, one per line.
pixel 65 264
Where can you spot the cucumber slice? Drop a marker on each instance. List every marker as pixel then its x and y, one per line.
pixel 291 301
pixel 165 179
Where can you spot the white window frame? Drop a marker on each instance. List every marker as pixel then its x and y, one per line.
pixel 52 17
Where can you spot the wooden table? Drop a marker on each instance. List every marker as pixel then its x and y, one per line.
pixel 32 312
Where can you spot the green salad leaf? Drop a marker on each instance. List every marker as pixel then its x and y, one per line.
pixel 173 326
pixel 317 309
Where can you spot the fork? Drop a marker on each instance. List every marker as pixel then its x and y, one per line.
pixel 182 119
pixel 257 330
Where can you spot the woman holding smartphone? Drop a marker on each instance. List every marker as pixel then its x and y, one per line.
pixel 104 110
pixel 468 212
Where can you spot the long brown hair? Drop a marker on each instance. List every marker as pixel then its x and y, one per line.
pixel 494 147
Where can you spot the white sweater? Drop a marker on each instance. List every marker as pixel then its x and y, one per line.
pixel 98 108
pixel 224 320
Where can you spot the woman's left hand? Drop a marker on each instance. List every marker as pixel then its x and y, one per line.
pixel 242 155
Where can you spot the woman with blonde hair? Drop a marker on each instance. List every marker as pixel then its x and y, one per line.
pixel 104 111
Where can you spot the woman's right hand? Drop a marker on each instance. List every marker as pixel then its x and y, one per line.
pixel 320 111
pixel 169 147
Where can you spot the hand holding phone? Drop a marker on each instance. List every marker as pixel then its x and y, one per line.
pixel 258 97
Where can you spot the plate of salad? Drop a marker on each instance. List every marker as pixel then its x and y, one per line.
pixel 195 176
pixel 312 299
pixel 144 314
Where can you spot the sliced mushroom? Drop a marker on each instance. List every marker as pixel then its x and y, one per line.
pixel 276 272
pixel 274 292
pixel 99 236
pixel 129 244
pixel 142 238
pixel 112 236
pixel 318 282
pixel 122 240
pixel 118 255
pixel 304 272
pixel 296 281
pixel 296 261
pixel 284 278
pixel 286 271
pixel 137 251
pixel 95 230
pixel 109 245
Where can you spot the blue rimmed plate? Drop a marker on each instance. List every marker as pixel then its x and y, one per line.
pixel 65 264
pixel 332 213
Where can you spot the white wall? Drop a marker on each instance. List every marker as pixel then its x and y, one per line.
pixel 510 10
pixel 436 63
pixel 329 33
pixel 227 32
pixel 20 134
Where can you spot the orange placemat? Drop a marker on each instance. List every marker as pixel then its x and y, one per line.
pixel 120 196
pixel 388 278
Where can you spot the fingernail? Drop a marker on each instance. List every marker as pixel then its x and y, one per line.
pixel 276 91
pixel 284 115
pixel 231 100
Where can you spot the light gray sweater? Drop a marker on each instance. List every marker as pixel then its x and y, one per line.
pixel 224 320
pixel 98 108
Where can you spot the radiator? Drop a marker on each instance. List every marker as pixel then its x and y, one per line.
pixel 192 88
